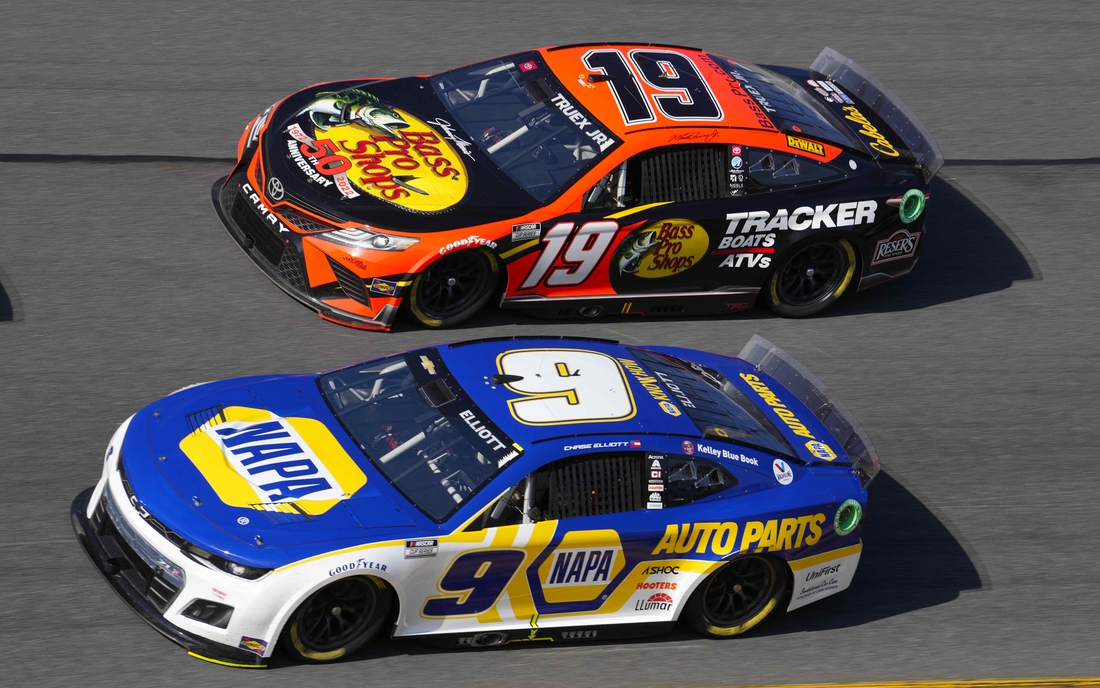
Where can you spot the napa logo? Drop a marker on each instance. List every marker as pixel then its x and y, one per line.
pixel 256 459
pixel 821 450
pixel 581 566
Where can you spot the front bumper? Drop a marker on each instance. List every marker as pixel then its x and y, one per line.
pixel 143 591
pixel 281 259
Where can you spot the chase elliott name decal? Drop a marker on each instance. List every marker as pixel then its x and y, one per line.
pixel 258 459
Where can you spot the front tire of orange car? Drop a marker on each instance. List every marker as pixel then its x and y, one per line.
pixel 453 289
pixel 338 620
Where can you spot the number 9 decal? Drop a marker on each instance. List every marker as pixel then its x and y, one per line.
pixel 476 581
pixel 566 386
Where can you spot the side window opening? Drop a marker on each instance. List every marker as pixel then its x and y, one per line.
pixel 768 170
pixel 600 484
pixel 672 173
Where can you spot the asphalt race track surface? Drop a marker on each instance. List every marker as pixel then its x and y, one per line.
pixel 976 376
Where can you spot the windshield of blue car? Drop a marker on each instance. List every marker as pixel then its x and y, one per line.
pixel 419 429
pixel 718 409
pixel 789 106
pixel 521 118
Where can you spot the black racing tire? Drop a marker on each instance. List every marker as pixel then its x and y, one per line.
pixel 454 288
pixel 737 596
pixel 811 278
pixel 338 620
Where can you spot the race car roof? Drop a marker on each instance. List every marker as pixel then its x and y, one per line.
pixel 638 87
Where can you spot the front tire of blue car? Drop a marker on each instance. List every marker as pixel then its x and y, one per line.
pixel 338 620
pixel 736 597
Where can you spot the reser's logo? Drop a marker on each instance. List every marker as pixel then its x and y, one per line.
pixel 900 244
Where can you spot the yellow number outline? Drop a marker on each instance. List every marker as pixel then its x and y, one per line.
pixel 570 395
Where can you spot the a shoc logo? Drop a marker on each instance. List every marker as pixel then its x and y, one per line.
pixel 581 567
pixel 258 459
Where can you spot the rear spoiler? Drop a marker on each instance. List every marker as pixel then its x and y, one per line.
pixel 885 104
pixel 838 420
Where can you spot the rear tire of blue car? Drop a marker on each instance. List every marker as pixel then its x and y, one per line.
pixel 454 288
pixel 810 278
pixel 737 596
pixel 338 620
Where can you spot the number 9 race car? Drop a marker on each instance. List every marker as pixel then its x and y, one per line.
pixel 583 180
pixel 481 493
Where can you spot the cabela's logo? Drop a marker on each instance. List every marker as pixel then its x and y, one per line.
pixel 254 458
pixel 360 145
pixel 662 249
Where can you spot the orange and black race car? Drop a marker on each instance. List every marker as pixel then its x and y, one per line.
pixel 583 180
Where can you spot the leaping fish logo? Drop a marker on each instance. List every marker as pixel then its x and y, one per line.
pixel 643 244
pixel 353 107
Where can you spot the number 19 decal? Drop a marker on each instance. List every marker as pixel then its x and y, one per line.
pixel 680 91
pixel 581 256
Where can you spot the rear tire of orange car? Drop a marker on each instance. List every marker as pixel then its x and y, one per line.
pixel 454 288
pixel 338 620
pixel 811 278
pixel 737 596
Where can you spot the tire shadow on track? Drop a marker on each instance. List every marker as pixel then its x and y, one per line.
pixel 10 309
pixel 968 251
pixel 910 561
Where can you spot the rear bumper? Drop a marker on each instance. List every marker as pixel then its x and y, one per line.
pixel 99 547
pixel 281 260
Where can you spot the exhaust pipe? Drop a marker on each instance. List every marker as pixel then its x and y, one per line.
pixel 488 639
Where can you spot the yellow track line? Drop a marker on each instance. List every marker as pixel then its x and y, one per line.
pixel 982 683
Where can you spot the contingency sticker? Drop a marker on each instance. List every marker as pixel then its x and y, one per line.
pixel 257 459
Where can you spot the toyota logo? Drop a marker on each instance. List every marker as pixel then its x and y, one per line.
pixel 275 189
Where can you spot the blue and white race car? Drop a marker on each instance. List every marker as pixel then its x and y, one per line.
pixel 481 493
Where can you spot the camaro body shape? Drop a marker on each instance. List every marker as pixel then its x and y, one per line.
pixel 507 490
pixel 593 179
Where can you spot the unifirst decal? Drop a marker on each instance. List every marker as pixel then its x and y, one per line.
pixel 260 460
pixel 722 538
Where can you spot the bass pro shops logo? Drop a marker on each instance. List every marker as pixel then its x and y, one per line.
pixel 257 459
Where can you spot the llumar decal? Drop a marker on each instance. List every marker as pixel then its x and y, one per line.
pixel 260 460
pixel 359 144
pixel 814 445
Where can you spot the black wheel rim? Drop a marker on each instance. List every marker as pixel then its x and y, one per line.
pixel 812 274
pixel 452 284
pixel 337 614
pixel 738 591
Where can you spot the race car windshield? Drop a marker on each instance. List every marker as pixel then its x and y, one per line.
pixel 788 105
pixel 718 409
pixel 419 428
pixel 522 120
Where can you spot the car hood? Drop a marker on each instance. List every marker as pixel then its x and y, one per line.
pixel 386 153
pixel 259 470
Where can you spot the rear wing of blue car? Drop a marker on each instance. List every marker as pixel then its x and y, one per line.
pixel 862 84
pixel 770 359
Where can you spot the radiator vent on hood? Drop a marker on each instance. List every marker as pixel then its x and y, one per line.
pixel 197 419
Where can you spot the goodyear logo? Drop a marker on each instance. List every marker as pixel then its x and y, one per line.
pixel 806 145
pixel 582 566
pixel 260 460
pixel 722 538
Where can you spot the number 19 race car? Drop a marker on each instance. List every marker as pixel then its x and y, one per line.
pixel 583 180
pixel 512 490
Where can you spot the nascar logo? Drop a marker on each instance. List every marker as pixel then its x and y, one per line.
pixel 260 460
